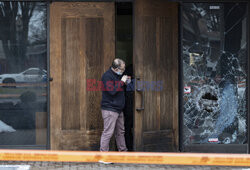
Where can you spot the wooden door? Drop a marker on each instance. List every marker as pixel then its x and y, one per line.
pixel 156 67
pixel 82 46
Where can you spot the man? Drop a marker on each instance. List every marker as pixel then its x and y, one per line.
pixel 113 101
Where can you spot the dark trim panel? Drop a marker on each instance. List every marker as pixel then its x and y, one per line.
pixel 180 79
pixel 217 148
pixel 48 76
pixel 123 0
pixel 248 76
pixel 62 0
pixel 115 28
pixel 209 1
pixel 73 0
pixel 31 147
pixel 133 60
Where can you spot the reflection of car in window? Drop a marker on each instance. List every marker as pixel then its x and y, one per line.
pixel 31 75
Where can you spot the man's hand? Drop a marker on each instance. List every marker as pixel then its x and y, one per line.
pixel 128 79
pixel 124 78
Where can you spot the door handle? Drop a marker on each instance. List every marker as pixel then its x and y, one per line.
pixel 142 97
pixel 50 79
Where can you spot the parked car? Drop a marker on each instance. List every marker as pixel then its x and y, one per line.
pixel 31 75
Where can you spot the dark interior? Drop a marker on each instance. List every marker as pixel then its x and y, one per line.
pixel 124 50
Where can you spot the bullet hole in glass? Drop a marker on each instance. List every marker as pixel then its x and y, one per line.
pixel 209 96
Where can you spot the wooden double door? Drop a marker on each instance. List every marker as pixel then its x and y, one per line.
pixel 82 47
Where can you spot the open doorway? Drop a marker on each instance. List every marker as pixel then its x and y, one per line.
pixel 150 50
pixel 124 50
pixel 84 38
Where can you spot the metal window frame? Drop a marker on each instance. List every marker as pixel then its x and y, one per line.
pixel 248 77
pixel 180 78
pixel 48 76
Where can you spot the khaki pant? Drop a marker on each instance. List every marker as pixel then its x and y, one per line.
pixel 113 122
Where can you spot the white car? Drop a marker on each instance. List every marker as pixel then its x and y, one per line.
pixel 31 75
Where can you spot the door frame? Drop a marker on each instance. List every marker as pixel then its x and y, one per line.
pixel 241 148
pixel 49 2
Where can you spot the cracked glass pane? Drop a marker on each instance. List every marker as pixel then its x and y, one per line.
pixel 214 73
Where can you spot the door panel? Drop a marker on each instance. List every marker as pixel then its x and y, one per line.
pixel 156 70
pixel 81 48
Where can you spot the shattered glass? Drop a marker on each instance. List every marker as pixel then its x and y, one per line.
pixel 214 73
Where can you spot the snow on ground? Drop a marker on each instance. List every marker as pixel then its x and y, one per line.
pixel 6 128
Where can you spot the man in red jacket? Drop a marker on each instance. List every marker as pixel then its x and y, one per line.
pixel 113 102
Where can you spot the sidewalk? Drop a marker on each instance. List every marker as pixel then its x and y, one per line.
pixel 89 160
pixel 97 166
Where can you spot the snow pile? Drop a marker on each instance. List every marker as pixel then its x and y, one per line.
pixel 5 128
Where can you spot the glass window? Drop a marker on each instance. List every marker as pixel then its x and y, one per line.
pixel 33 72
pixel 214 73
pixel 23 75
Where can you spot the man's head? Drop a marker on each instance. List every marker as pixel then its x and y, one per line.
pixel 118 66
